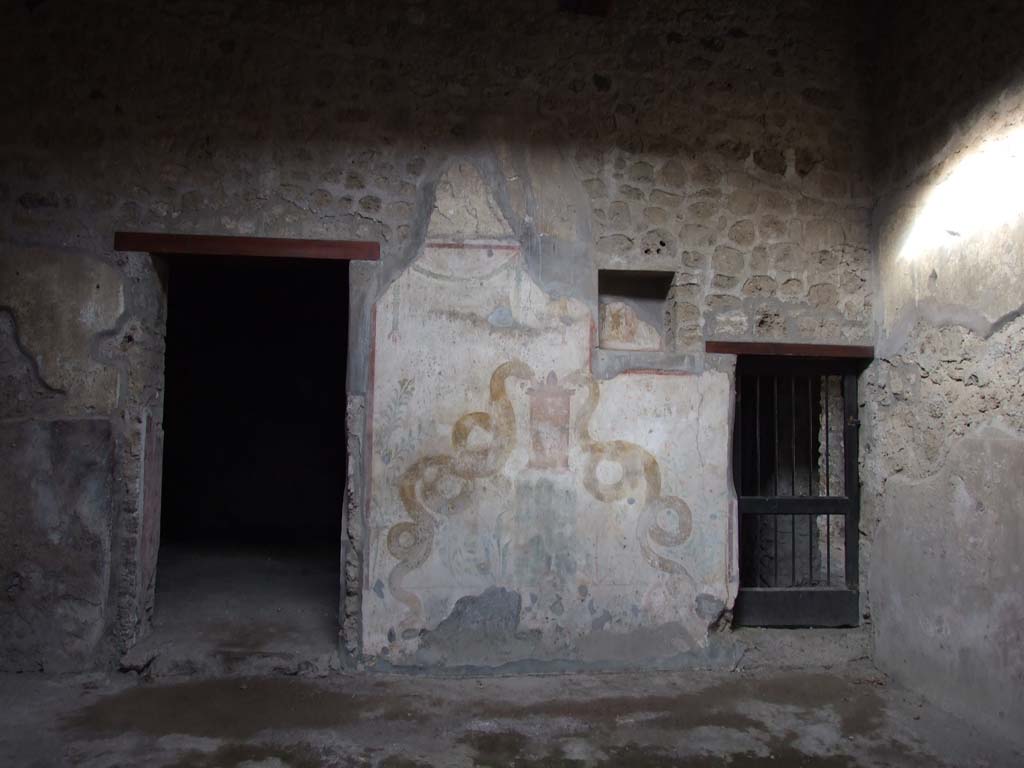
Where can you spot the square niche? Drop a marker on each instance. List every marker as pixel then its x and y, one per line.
pixel 632 309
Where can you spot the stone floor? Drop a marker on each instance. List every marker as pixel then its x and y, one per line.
pixel 241 670
pixel 251 610
pixel 844 716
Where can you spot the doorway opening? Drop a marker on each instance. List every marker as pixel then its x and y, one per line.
pixel 254 461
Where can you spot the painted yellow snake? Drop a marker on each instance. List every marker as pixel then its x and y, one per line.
pixel 635 463
pixel 441 482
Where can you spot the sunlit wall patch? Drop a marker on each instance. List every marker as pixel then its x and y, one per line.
pixel 983 192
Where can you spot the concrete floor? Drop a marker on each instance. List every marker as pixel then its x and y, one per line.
pixel 846 716
pixel 254 611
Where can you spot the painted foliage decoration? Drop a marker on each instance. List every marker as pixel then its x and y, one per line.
pixel 393 443
pixel 601 506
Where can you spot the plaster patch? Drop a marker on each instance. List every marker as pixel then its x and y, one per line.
pixel 61 301
pixel 521 473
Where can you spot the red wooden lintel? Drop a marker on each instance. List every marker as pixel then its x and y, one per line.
pixel 226 245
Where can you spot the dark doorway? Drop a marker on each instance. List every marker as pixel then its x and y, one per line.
pixel 254 456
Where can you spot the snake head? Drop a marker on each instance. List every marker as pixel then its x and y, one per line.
pixel 514 369
pixel 517 369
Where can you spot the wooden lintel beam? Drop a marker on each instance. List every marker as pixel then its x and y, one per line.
pixel 266 247
pixel 847 351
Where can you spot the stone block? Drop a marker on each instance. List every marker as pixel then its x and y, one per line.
pixel 56 504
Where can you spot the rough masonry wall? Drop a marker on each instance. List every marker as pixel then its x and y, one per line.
pixel 944 440
pixel 723 142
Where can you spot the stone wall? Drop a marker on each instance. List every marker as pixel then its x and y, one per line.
pixel 944 401
pixel 76 352
pixel 724 143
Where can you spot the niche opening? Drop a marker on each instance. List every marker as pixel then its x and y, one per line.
pixel 633 309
